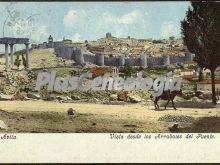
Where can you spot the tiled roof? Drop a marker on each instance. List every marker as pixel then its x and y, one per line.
pixel 97 71
pixel 209 81
pixel 187 76
pixel 189 62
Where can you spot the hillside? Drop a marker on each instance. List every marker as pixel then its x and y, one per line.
pixel 41 58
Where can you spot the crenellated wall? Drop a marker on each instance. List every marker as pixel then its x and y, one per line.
pixel 79 56
pixel 111 61
pixel 155 61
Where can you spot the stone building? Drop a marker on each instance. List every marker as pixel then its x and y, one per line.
pixel 44 45
pixel 108 35
pixel 50 42
pixel 207 85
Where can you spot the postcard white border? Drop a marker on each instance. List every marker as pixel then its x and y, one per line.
pixel 99 147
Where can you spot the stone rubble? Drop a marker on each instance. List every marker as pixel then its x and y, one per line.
pixel 176 118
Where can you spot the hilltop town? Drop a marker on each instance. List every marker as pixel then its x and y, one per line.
pixel 110 45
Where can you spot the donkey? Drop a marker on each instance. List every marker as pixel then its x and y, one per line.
pixel 167 95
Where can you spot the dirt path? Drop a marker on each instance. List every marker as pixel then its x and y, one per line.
pixel 138 111
pixel 42 116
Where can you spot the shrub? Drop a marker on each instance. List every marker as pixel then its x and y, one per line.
pixel 128 71
pixel 17 61
pixel 45 95
pixel 24 61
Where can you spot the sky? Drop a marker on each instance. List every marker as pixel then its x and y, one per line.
pixel 82 21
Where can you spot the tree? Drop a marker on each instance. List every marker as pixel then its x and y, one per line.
pixel 171 38
pixel 200 74
pixel 201 35
pixel 17 61
pixel 23 60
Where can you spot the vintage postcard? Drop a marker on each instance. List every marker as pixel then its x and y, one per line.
pixel 109 81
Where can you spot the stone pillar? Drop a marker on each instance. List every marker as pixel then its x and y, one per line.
pixel 12 55
pixel 27 55
pixel 121 61
pixel 100 59
pixel 143 59
pixel 6 56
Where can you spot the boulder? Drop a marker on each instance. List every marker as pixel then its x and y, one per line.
pixel 5 97
pixel 200 97
pixel 61 98
pixel 2 74
pixel 199 92
pixel 113 97
pixel 26 98
pixel 178 99
pixel 95 99
pixel 71 112
pixel 206 96
pixel 75 97
pixel 174 128
pixel 68 98
pixel 122 96
pixel 18 96
pixel 196 99
pixel 3 125
pixel 33 96
pixel 52 97
pixel 135 99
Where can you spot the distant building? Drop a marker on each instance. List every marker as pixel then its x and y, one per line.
pixel 94 49
pixel 189 63
pixel 188 74
pixel 142 40
pixel 206 72
pixel 34 46
pixel 108 35
pixel 50 42
pixel 50 39
pixel 44 45
pixel 67 41
pixel 207 85
pixel 56 43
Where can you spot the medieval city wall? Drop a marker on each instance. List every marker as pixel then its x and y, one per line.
pixel 79 56
pixel 89 58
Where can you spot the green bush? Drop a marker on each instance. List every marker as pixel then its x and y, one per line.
pixel 45 95
pixel 24 61
pixel 128 71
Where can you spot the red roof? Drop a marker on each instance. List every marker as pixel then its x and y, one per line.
pixel 189 62
pixel 187 76
pixel 97 71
